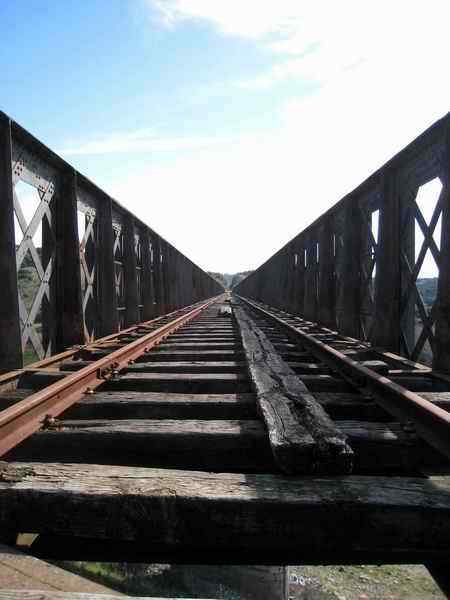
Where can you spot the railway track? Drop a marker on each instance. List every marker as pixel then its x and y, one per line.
pixel 227 432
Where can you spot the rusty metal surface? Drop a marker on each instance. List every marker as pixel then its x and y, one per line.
pixel 22 419
pixel 431 422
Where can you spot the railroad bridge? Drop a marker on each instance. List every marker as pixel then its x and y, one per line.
pixel 149 415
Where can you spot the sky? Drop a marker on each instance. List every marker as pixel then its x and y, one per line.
pixel 226 125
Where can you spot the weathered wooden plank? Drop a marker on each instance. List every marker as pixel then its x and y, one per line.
pixel 74 365
pixel 219 383
pixel 211 336
pixel 20 572
pixel 213 339
pixel 416 383
pixel 188 366
pixel 13 396
pixel 54 595
pixel 39 379
pixel 325 383
pixel 153 405
pixel 283 518
pixel 382 446
pixel 302 436
pixel 167 345
pixel 10 334
pixel 351 406
pixel 311 368
pixel 157 355
pixel 441 399
pixel 213 445
pixel 208 330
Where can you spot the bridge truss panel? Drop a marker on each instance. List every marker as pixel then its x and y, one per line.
pixel 76 264
pixel 361 267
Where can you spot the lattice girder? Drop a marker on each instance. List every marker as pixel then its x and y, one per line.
pixel 412 306
pixel 42 178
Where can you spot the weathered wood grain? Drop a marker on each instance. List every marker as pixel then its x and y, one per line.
pixel 167 345
pixel 158 354
pixel 187 366
pixel 154 405
pixel 53 595
pixel 254 515
pixel 303 438
pixel 214 445
pixel 226 444
pixel 182 382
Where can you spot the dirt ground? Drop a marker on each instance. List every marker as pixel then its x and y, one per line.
pixel 367 582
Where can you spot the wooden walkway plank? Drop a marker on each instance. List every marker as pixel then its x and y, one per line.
pixel 182 382
pixel 213 445
pixel 158 354
pixel 188 366
pixel 302 436
pixel 216 444
pixel 248 516
pixel 53 595
pixel 154 405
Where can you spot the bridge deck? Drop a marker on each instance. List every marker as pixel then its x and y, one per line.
pixel 261 452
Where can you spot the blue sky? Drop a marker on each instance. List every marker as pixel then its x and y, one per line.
pixel 227 125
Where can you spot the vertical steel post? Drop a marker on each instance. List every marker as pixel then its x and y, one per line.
pixel 351 274
pixel 327 300
pixel 386 324
pixel 10 335
pixel 108 318
pixel 148 294
pixel 68 303
pixel 441 350
pixel 130 275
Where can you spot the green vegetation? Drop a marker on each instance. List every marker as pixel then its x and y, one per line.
pixel 162 580
pixel 334 582
pixel 28 280
pixel 427 286
pixel 428 290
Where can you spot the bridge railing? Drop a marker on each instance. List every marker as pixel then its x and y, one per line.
pixel 76 265
pixel 376 265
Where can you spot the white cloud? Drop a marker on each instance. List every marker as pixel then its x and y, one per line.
pixel 249 18
pixel 319 40
pixel 142 140
pixel 382 69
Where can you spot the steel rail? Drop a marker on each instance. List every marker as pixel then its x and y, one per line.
pixel 8 379
pixel 431 422
pixel 27 416
pixel 55 358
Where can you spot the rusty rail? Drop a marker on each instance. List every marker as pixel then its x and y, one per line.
pixel 356 267
pixel 97 268
pixel 431 422
pixel 27 416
